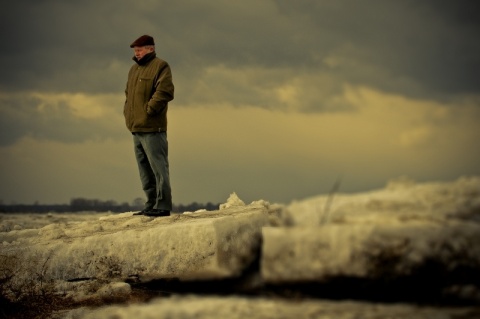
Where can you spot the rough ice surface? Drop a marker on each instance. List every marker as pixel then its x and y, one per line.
pixel 367 251
pixel 192 307
pixel 208 245
pixel 403 231
pixel 395 230
pixel 401 201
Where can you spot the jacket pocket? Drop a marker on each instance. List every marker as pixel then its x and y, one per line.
pixel 146 86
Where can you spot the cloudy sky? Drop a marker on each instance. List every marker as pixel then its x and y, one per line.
pixel 275 99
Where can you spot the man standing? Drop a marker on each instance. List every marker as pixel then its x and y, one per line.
pixel 149 89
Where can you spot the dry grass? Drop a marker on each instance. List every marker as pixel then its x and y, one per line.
pixel 25 291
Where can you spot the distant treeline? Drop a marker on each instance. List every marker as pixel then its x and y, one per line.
pixel 95 205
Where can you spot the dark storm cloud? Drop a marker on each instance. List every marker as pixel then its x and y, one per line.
pixel 424 41
pixel 50 120
pixel 262 88
pixel 426 48
pixel 59 46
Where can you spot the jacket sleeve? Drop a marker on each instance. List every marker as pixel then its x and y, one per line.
pixel 126 91
pixel 164 90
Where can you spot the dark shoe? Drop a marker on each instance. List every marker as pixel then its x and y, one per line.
pixel 157 213
pixel 142 212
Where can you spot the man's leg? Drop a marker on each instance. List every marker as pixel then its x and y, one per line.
pixel 156 149
pixel 147 177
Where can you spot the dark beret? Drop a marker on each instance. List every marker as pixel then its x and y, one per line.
pixel 143 41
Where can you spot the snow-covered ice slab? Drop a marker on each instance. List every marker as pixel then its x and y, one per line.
pixel 207 245
pixel 402 200
pixel 402 230
pixel 300 254
pixel 239 308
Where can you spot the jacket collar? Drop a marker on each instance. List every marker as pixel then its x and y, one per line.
pixel 146 58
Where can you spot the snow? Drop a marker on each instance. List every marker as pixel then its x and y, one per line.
pixel 401 200
pixel 391 231
pixel 190 307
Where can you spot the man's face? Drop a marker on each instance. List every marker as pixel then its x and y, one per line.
pixel 141 51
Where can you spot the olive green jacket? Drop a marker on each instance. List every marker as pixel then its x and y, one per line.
pixel 149 89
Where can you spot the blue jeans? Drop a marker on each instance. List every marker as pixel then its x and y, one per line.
pixel 151 152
